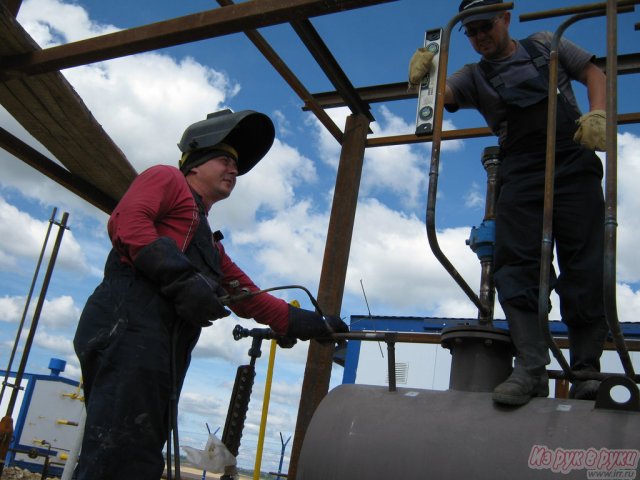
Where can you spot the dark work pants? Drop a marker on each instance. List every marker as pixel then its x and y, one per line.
pixel 578 232
pixel 123 342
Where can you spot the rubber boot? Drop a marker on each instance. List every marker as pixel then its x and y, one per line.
pixel 586 343
pixel 529 377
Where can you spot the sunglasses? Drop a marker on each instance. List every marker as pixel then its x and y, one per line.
pixel 484 27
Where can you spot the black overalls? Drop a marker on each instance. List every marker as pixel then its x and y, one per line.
pixel 124 341
pixel 578 213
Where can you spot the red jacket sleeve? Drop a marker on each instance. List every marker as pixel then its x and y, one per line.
pixel 263 308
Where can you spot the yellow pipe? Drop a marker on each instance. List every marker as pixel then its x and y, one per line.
pixel 265 411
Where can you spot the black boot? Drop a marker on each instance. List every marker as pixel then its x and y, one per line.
pixel 586 343
pixel 529 377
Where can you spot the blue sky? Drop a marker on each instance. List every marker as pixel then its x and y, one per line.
pixel 275 222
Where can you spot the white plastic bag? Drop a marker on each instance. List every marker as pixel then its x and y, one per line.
pixel 214 458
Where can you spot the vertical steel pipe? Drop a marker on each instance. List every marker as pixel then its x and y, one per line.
pixel 36 314
pixel 491 164
pixel 435 152
pixel 611 190
pixel 27 302
pixel 546 248
pixel 315 384
pixel 7 419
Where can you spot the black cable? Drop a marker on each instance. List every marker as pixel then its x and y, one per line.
pixel 230 299
pixel 173 407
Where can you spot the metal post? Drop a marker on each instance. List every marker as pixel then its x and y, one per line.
pixel 265 409
pixel 436 143
pixel 334 271
pixel 390 339
pixel 491 164
pixel 28 302
pixel 7 420
pixel 611 191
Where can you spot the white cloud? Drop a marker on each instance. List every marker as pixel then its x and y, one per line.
pixel 391 254
pixel 51 22
pixel 132 97
pixel 474 198
pixel 59 344
pixel 628 231
pixel 290 245
pixel 23 237
pixel 270 187
pixel 217 341
pixel 628 303
pixel 57 313
pixel 144 102
pixel 60 312
pixel 11 308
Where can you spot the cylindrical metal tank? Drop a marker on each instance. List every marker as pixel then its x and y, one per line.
pixel 362 432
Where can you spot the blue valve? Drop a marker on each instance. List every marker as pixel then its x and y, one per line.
pixel 482 239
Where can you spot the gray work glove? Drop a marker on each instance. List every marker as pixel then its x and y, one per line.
pixel 591 131
pixel 194 295
pixel 305 325
pixel 421 62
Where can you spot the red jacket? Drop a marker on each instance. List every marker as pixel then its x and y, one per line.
pixel 159 203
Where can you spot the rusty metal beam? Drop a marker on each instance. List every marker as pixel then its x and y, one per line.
pixel 285 72
pixel 331 68
pixel 375 93
pixel 463 133
pixel 44 165
pixel 177 31
pixel 412 138
pixel 627 64
pixel 587 8
pixel 334 271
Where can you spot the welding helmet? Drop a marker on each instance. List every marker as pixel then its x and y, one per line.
pixel 250 134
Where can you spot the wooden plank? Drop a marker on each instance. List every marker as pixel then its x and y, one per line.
pixel 49 108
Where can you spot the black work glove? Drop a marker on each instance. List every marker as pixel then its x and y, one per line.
pixel 286 342
pixel 194 295
pixel 305 324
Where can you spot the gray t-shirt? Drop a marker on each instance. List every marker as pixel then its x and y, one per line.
pixel 471 90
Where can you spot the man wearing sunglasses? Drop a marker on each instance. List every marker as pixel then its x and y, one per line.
pixel 509 87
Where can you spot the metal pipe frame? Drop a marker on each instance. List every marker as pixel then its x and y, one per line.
pixel 435 152
pixel 611 192
pixel 589 8
pixel 62 226
pixel 627 64
pixel 296 85
pixel 317 372
pixel 177 31
pixel 330 67
pixel 27 302
pixel 487 284
pixel 611 180
pixel 435 338
pixel 246 17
